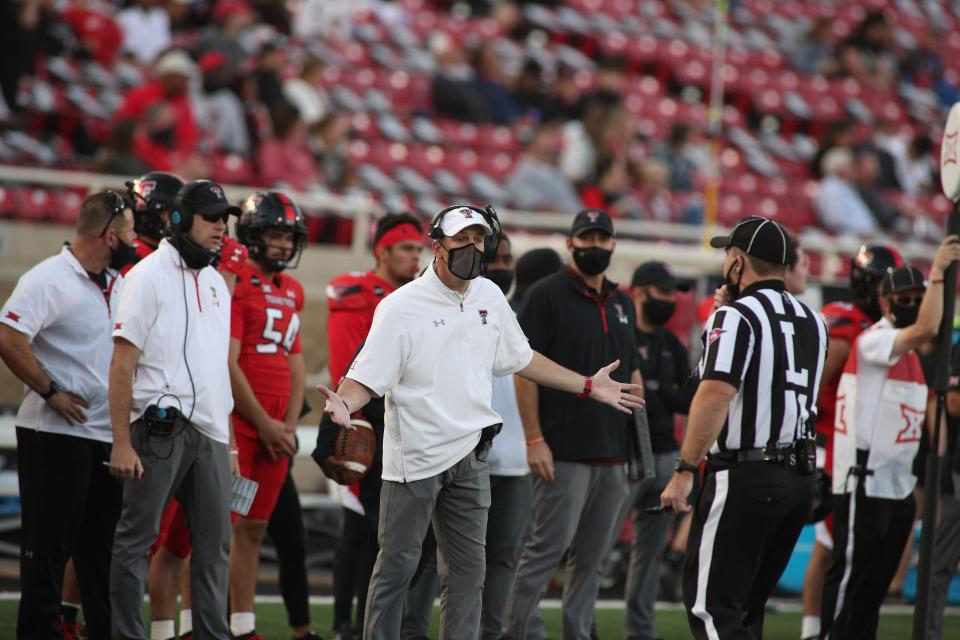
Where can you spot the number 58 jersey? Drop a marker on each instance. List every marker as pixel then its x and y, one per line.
pixel 266 320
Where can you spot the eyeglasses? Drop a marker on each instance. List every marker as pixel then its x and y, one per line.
pixel 119 206
pixel 213 218
pixel 907 301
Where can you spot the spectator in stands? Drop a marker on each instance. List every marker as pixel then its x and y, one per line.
pixel 583 138
pixel 916 170
pixel 923 67
pixel 565 93
pixel 537 183
pixel 155 142
pixel 837 134
pixel 866 175
pixel 305 93
pixel 814 53
pixel 218 109
pixel 840 207
pixel 611 192
pixel 97 35
pixel 172 74
pixel 117 155
pixel 677 155
pixel 608 86
pixel 490 81
pixel 530 95
pixel 867 55
pixel 452 91
pixel 887 145
pixel 230 19
pixel 146 30
pixel 328 143
pixel 654 201
pixel 268 72
pixel 285 159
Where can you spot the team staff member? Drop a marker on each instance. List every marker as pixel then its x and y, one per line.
pixel 352 299
pixel 55 337
pixel 754 409
pixel 433 349
pixel 576 451
pixel 665 369
pixel 845 321
pixel 266 375
pixel 170 373
pixel 881 406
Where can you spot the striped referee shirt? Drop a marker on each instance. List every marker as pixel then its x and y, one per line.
pixel 772 348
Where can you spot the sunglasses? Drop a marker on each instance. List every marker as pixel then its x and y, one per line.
pixel 213 218
pixel 119 206
pixel 907 301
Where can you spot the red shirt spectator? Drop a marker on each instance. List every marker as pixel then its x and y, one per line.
pixel 286 158
pixel 96 31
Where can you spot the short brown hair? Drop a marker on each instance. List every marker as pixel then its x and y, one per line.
pixel 761 267
pixel 95 211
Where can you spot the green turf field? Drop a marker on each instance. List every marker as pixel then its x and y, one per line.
pixel 672 625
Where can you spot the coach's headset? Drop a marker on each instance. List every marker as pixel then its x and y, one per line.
pixel 181 221
pixel 490 243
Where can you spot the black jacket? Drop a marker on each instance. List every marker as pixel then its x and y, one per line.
pixel 573 325
pixel 665 367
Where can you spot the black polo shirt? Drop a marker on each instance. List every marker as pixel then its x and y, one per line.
pixel 582 330
pixel 665 367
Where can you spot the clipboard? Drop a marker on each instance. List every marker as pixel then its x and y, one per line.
pixel 243 491
pixel 641 465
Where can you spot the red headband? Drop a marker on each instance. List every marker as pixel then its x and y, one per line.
pixel 397 234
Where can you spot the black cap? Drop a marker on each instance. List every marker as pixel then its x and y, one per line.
pixel 759 237
pixel 659 275
pixel 205 198
pixel 536 264
pixel 590 219
pixel 903 279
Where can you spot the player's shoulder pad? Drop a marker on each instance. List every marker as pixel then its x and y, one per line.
pixel 354 290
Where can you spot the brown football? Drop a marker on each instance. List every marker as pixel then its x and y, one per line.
pixel 355 448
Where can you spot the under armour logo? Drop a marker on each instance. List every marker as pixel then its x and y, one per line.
pixel 216 300
pixel 438 323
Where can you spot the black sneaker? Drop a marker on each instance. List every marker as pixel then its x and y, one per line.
pixel 310 635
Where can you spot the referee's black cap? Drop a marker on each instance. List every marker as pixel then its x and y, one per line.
pixel 758 237
pixel 903 279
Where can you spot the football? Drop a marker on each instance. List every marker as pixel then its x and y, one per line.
pixel 355 448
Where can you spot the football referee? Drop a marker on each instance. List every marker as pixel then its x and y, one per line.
pixel 752 417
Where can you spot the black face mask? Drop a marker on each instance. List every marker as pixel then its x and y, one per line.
pixel 592 261
pixel 194 256
pixel 658 312
pixel 903 317
pixel 733 288
pixel 872 308
pixel 164 137
pixel 122 255
pixel 465 262
pixel 503 278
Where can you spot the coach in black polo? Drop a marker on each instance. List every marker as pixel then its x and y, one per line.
pixel 753 417
pixel 576 452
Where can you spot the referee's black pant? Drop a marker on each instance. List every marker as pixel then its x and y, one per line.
pixel 868 539
pixel 69 507
pixel 746 522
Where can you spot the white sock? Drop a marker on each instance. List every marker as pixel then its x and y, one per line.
pixel 243 622
pixel 186 622
pixel 162 630
pixel 810 627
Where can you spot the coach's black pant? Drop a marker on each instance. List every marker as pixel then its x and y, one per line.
pixel 745 524
pixel 70 506
pixel 868 539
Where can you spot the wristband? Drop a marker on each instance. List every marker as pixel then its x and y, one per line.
pixel 587 387
pixel 682 466
pixel 234 452
pixel 346 405
pixel 533 441
pixel 937 281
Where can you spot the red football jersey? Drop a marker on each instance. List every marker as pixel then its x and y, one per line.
pixel 845 321
pixel 351 298
pixel 265 319
pixel 142 250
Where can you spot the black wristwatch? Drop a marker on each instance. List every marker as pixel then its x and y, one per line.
pixel 54 388
pixel 682 465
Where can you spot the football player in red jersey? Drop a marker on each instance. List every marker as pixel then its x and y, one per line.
pixel 267 375
pixel 845 321
pixel 351 299
pixel 151 198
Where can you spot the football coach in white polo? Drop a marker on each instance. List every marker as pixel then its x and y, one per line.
pixel 432 351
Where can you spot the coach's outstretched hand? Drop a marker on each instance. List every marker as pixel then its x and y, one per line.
pixel 335 407
pixel 622 396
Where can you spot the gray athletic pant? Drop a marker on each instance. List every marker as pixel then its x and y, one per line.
pixel 456 501
pixel 946 556
pixel 577 511
pixel 649 540
pixel 510 500
pixel 196 470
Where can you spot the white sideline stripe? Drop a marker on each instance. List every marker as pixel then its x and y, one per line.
pixel 773 606
pixel 707 539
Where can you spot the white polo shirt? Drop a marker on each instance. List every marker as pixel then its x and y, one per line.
pixel 152 315
pixel 433 354
pixel 67 319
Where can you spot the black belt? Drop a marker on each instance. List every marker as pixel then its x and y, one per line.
pixel 773 455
